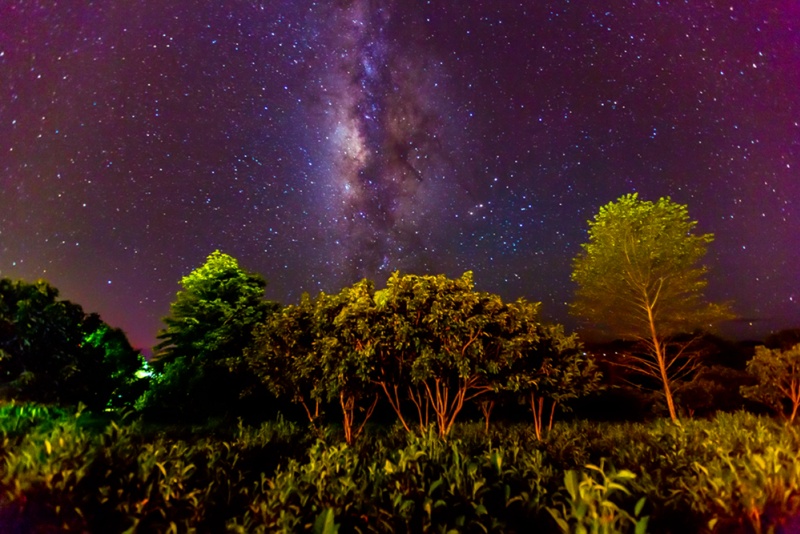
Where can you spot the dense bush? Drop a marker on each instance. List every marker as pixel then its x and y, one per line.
pixel 737 473
pixel 51 351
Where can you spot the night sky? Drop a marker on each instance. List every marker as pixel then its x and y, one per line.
pixel 321 142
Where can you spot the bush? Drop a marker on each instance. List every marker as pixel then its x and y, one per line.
pixel 736 472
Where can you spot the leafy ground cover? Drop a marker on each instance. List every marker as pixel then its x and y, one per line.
pixel 64 471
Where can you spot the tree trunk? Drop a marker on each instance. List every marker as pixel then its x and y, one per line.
pixel 312 417
pixel 445 408
pixel 536 408
pixel 486 407
pixel 394 401
pixel 661 358
pixel 424 414
pixel 348 404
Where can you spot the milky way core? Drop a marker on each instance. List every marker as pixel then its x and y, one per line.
pixel 384 112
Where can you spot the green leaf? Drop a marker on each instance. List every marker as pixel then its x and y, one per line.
pixel 390 468
pixel 639 505
pixel 324 523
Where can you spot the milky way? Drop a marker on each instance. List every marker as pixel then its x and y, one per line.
pixel 388 149
pixel 322 142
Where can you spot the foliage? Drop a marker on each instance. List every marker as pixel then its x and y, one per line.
pixel 711 389
pixel 427 341
pixel 128 372
pixel 283 356
pixel 588 506
pixel 553 369
pixel 342 330
pixel 200 353
pixel 640 276
pixel 443 341
pixel 737 472
pixel 53 352
pixel 312 352
pixel 778 375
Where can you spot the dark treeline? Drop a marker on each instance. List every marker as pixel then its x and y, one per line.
pixel 423 350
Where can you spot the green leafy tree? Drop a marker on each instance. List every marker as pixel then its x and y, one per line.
pixel 441 343
pixel 127 371
pixel 397 338
pixel 551 370
pixel 284 358
pixel 200 356
pixel 778 375
pixel 343 330
pixel 314 353
pixel 640 276
pixel 51 351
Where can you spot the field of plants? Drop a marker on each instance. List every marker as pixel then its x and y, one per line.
pixel 67 471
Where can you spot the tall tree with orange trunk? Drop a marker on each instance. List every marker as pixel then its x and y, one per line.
pixel 640 276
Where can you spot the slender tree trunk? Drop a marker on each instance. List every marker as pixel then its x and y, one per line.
pixel 445 408
pixel 347 411
pixel 486 407
pixel 394 401
pixel 536 408
pixel 312 418
pixel 419 399
pixel 348 404
pixel 661 358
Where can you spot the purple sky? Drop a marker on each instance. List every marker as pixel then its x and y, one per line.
pixel 320 142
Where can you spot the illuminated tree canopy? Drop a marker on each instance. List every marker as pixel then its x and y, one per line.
pixel 210 324
pixel 428 344
pixel 640 276
pixel 778 375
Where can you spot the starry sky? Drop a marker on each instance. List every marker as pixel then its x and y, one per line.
pixel 322 142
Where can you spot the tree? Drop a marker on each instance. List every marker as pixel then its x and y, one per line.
pixel 778 375
pixel 51 351
pixel 128 374
pixel 552 370
pixel 316 352
pixel 200 356
pixel 344 325
pixel 640 276
pixel 441 342
pixel 283 356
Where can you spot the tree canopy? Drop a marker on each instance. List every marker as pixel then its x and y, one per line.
pixel 778 375
pixel 51 351
pixel 429 343
pixel 211 322
pixel 640 276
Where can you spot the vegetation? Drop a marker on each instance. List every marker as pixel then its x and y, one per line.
pixel 61 471
pixel 427 344
pixel 639 275
pixel 778 375
pixel 92 439
pixel 53 352
pixel 199 362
